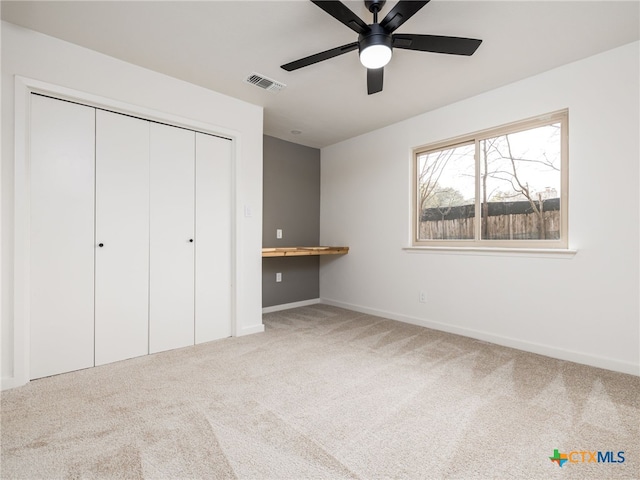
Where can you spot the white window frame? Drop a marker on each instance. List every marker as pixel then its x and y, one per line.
pixel 561 244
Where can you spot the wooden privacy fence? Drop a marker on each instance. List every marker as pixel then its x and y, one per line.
pixel 505 221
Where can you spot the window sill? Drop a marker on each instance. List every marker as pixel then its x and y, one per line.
pixel 497 251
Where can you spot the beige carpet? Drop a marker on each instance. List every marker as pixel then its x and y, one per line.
pixel 325 393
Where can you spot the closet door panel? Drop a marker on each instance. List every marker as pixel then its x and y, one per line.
pixel 122 226
pixel 213 238
pixel 171 321
pixel 61 236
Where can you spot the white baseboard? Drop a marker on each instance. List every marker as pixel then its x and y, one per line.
pixel 287 306
pixel 251 330
pixel 10 382
pixel 540 349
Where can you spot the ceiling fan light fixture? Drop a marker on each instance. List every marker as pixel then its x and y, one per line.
pixel 375 47
pixel 375 56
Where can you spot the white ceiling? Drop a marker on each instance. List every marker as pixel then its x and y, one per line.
pixel 216 44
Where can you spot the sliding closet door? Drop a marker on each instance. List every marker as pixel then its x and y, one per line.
pixel 61 238
pixel 213 238
pixel 171 321
pixel 122 235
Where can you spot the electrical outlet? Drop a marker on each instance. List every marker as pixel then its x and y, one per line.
pixel 278 277
pixel 279 233
pixel 423 297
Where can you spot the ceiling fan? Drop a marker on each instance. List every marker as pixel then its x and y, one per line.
pixel 377 40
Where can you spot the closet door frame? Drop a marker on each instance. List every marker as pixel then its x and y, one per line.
pixel 24 87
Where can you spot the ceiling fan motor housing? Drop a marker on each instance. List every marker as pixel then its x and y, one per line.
pixel 376 36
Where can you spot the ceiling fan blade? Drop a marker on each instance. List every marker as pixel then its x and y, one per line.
pixel 402 12
pixel 319 57
pixel 436 43
pixel 374 80
pixel 342 13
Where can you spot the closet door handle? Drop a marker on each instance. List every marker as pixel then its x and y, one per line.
pixel 101 245
pixel 191 240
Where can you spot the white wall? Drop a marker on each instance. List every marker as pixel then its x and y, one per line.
pixel 583 308
pixel 36 56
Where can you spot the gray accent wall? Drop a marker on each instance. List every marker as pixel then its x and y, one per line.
pixel 291 202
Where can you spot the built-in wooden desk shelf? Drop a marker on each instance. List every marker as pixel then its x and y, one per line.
pixel 303 251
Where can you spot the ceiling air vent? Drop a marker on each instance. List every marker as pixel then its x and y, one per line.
pixel 264 82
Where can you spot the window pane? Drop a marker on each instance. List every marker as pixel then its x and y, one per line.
pixel 446 194
pixel 520 185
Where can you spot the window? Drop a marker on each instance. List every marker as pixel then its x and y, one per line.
pixel 504 187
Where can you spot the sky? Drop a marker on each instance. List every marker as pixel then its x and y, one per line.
pixel 537 144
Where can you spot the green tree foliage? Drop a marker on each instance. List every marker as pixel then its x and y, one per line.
pixel 445 197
